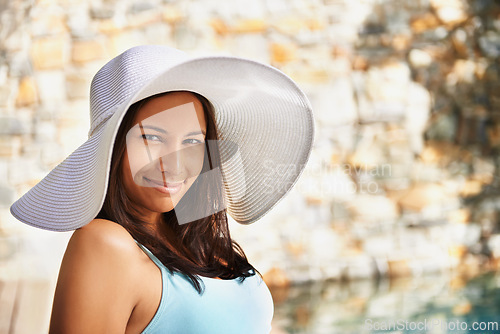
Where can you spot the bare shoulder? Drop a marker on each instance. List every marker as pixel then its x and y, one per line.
pixel 106 234
pixel 104 224
pixel 100 263
pixel 108 245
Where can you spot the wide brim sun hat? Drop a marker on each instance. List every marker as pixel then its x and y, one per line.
pixel 257 107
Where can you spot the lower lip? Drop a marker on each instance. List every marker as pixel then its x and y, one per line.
pixel 170 190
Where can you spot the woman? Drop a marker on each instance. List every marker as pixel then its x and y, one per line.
pixel 175 143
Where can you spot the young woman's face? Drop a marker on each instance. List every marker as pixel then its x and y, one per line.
pixel 165 152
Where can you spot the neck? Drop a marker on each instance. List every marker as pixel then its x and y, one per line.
pixel 153 220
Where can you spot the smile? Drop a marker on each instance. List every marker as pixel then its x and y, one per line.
pixel 170 188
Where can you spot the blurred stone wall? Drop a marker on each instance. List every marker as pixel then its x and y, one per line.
pixel 404 177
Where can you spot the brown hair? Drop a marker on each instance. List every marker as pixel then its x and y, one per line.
pixel 203 247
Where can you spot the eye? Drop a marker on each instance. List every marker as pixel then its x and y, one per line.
pixel 153 138
pixel 192 141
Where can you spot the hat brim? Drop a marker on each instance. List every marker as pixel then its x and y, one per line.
pixel 256 106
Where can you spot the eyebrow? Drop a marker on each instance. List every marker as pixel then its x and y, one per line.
pixel 165 132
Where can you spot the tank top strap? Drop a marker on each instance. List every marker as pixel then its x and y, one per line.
pixel 152 256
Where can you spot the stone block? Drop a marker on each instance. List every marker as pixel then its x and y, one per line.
pixel 360 267
pixel 47 21
pixel 442 153
pixel 76 113
pixel 340 67
pixel 460 43
pixel 141 7
pixel 306 75
pixel 78 21
pixel 419 58
pixel 7 196
pixel 52 154
pixel 4 167
pixel 451 12
pixel 123 40
pixel 327 184
pixel 334 103
pixel 461 216
pixel 219 26
pixel 398 268
pixel 16 40
pixel 443 127
pixel 10 147
pixel 464 234
pixel 49 52
pixel 27 92
pixel 369 207
pixel 172 14
pixel 494 245
pixel 245 26
pixel 470 188
pixel 417 115
pixel 252 46
pixel 490 44
pixel 19 65
pixel 463 71
pixel 86 50
pixel 290 25
pixel 379 246
pixel 12 126
pixel 390 76
pixel 158 33
pixel 276 277
pixel 401 42
pixel 342 33
pixel 423 195
pixel 324 244
pixel 483 169
pixel 45 131
pixel 72 135
pixel 333 271
pixel 424 22
pixel 51 87
pixel 77 85
pixel 143 19
pixel 108 26
pixel 368 156
pixel 102 12
pixel 282 53
pixel 456 253
pixel 494 135
pixel 7 95
pixel 359 63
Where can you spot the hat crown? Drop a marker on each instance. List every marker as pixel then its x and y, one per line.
pixel 123 76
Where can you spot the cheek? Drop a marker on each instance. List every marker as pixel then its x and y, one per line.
pixel 194 159
pixel 136 159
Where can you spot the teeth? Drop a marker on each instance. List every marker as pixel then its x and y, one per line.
pixel 169 185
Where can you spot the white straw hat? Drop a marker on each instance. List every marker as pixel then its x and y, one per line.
pixel 256 106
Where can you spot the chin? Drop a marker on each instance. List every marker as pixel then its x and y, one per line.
pixel 161 207
pixel 167 210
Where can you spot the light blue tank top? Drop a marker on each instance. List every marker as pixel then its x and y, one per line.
pixel 225 307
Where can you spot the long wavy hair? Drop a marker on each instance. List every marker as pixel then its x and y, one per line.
pixel 202 247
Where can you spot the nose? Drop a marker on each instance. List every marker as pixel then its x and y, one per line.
pixel 172 163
